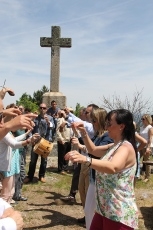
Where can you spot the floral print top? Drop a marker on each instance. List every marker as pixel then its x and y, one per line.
pixel 115 198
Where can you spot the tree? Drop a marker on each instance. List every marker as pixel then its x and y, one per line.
pixel 37 96
pixel 137 105
pixel 77 109
pixel 30 102
pixel 27 101
pixel 25 96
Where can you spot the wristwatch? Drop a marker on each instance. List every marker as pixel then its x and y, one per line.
pixel 88 161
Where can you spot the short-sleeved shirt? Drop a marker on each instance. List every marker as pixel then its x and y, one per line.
pixel 52 112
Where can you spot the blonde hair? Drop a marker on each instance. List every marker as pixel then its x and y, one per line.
pixel 148 118
pixel 99 115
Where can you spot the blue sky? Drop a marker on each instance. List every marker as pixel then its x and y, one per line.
pixel 112 47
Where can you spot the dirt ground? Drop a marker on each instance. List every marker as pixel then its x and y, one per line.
pixel 144 198
pixel 43 209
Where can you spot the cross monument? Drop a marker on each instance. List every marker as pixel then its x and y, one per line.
pixel 55 43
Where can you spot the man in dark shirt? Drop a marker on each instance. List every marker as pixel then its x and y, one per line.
pixel 43 125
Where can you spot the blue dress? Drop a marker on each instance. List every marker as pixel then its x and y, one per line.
pixel 15 164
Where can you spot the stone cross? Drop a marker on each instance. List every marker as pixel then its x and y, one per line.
pixel 55 42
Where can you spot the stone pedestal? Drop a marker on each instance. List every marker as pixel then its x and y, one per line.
pixel 57 96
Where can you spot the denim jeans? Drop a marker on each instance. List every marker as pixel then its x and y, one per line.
pixel 54 129
pixel 19 178
pixel 32 166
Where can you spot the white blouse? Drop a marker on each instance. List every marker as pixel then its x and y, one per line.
pixel 6 145
pixel 144 132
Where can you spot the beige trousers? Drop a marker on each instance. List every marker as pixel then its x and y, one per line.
pixel 146 168
pixel 83 183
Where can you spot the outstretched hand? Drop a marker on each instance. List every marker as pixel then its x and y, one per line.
pixel 35 137
pixel 75 157
pixel 11 112
pixel 6 90
pixel 79 126
pixel 22 121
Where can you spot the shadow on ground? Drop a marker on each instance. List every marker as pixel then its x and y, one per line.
pixel 147 214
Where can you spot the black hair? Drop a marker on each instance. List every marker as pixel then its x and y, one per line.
pixel 94 106
pixel 53 101
pixel 12 105
pixel 124 116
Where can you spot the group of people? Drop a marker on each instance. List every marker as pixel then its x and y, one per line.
pixel 108 163
pixel 11 120
pixel 105 149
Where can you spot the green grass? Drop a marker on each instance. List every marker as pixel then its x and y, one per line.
pixel 148 185
pixel 64 182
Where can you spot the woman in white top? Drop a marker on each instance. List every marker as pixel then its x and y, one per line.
pixel 9 164
pixel 146 131
pixel 6 157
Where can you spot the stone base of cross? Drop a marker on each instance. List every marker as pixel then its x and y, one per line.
pixel 57 96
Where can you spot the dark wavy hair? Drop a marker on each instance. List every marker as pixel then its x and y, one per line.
pixel 124 116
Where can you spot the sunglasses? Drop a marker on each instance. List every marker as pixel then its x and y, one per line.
pixel 43 108
pixel 143 119
pixel 1 116
pixel 86 112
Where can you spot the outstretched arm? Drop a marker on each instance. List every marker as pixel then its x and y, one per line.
pixel 123 158
pixel 97 151
pixel 19 122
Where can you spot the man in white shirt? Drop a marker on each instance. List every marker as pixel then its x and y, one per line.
pixel 87 124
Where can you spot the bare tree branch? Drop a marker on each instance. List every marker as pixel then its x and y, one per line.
pixel 137 105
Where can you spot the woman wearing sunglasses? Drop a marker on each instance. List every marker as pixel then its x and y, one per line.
pixel 97 118
pixel 115 171
pixel 101 138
